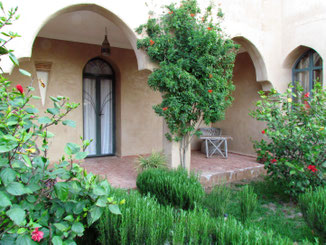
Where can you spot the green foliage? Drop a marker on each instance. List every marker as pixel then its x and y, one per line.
pixel 171 187
pixel 248 202
pixel 313 207
pixel 195 61
pixel 217 200
pixel 143 221
pixel 155 160
pixel 295 145
pixel 56 201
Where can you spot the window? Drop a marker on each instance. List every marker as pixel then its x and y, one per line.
pixel 308 69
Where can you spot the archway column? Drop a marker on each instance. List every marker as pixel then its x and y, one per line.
pixel 171 150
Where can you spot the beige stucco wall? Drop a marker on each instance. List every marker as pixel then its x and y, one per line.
pixel 238 123
pixel 138 129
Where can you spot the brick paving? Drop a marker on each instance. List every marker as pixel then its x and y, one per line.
pixel 121 171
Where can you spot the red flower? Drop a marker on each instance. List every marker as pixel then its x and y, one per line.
pixel 37 235
pixel 20 88
pixel 209 28
pixel 210 76
pixel 151 42
pixel 171 12
pixel 210 91
pixel 273 160
pixel 307 95
pixel 263 131
pixel 306 104
pixel 312 168
pixel 192 15
pixel 164 108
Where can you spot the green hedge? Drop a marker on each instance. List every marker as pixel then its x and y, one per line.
pixel 171 187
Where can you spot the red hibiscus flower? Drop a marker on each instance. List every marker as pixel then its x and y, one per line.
pixel 192 15
pixel 209 28
pixel 37 235
pixel 306 95
pixel 151 42
pixel 20 88
pixel 263 131
pixel 171 12
pixel 210 91
pixel 210 76
pixel 312 168
pixel 306 104
pixel 164 108
pixel 273 160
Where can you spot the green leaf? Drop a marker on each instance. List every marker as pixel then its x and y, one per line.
pixel 99 190
pixel 25 73
pixel 16 189
pixel 4 200
pixel 24 240
pixel 78 228
pixel 61 226
pixel 53 111
pixel 61 190
pixel 4 162
pixel 56 240
pixel 17 215
pixel 95 214
pixel 8 175
pixel 13 59
pixel 44 120
pixel 70 123
pixel 31 110
pixel 69 218
pixel 81 155
pixel 114 209
pixel 7 143
pixel 101 202
pixel 72 148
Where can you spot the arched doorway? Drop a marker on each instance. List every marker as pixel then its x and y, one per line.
pixel 98 107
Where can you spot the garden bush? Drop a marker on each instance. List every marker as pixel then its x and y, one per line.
pixel 143 221
pixel 155 160
pixel 313 207
pixel 217 200
pixel 171 187
pixel 294 144
pixel 50 204
pixel 248 202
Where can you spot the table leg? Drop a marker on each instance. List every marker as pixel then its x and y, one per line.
pixel 226 148
pixel 206 143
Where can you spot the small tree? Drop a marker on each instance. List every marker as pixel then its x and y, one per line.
pixel 196 61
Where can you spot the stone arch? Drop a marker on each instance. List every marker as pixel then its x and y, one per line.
pixel 143 60
pixel 257 59
pixel 294 55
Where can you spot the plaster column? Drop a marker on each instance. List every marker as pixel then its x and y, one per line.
pixel 172 151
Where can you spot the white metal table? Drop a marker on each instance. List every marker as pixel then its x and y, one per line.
pixel 216 142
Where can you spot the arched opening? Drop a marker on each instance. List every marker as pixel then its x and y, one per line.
pixel 98 107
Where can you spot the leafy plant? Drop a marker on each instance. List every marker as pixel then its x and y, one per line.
pixel 313 207
pixel 171 187
pixel 217 200
pixel 295 145
pixel 155 160
pixel 248 202
pixel 50 204
pixel 195 61
pixel 143 221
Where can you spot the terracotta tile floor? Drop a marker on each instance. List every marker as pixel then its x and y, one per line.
pixel 121 172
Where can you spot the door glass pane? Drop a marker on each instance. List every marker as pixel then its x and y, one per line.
pixel 304 62
pixel 106 117
pixel 89 94
pixel 318 75
pixel 98 67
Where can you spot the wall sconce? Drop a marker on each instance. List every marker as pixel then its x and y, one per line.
pixel 43 74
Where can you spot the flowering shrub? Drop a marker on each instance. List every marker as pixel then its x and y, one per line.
pixel 294 145
pixel 39 202
pixel 195 61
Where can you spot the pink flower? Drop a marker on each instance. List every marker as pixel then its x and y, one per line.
pixel 312 168
pixel 20 88
pixel 37 235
